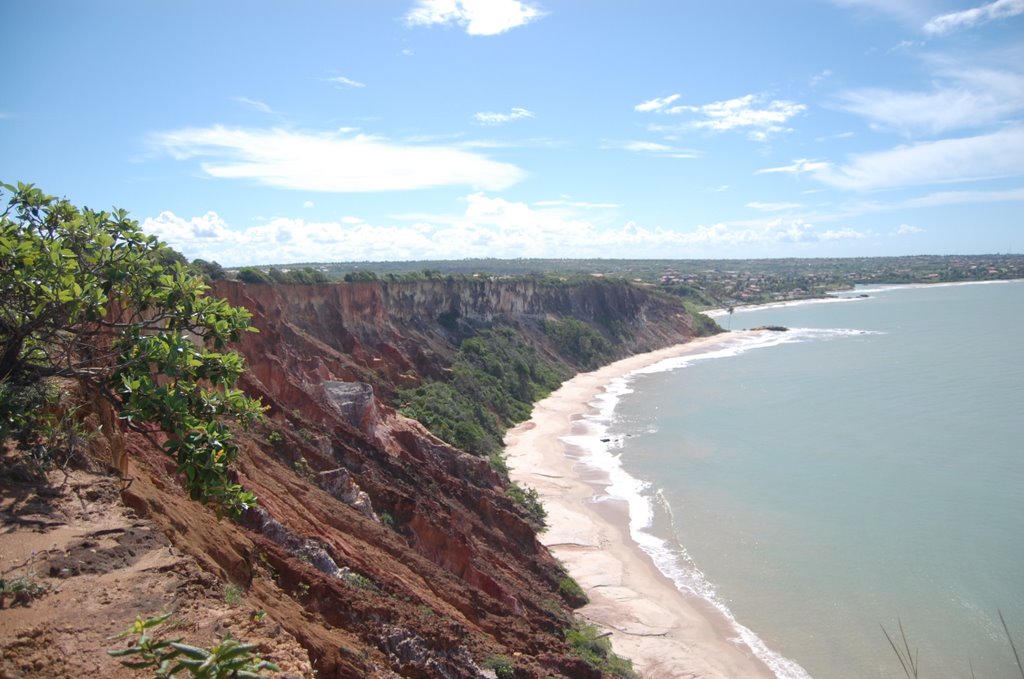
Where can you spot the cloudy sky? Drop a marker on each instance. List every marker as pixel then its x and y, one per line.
pixel 273 132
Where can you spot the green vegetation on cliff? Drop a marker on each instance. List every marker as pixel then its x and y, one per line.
pixel 493 382
pixel 88 296
pixel 579 342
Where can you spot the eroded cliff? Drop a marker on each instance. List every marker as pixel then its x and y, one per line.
pixel 380 549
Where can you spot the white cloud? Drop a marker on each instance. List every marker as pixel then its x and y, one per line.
pixel 963 98
pixel 960 197
pixel 841 234
pixel 930 200
pixel 821 77
pixel 200 234
pixel 536 142
pixel 1000 9
pixel 768 232
pixel 908 230
pixel 566 201
pixel 646 146
pixel 754 113
pixel 655 148
pixel 332 162
pixel 477 17
pixel 501 118
pixel 254 104
pixel 999 154
pixel 486 227
pixel 656 104
pixel 841 135
pixel 309 204
pixel 344 82
pixel 905 45
pixel 774 207
pixel 797 167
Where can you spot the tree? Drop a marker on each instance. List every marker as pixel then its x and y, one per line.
pixel 87 295
pixel 250 274
pixel 211 271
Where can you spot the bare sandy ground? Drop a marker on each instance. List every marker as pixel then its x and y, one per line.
pixel 665 632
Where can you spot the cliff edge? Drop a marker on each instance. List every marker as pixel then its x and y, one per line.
pixel 377 550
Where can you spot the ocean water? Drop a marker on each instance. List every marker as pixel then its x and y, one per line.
pixel 865 468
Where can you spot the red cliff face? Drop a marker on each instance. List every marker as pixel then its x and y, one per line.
pixel 393 333
pixel 383 550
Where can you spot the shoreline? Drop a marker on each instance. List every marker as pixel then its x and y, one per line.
pixel 663 630
pixel 843 295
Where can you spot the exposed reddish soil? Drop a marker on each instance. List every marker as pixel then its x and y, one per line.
pixel 98 567
pixel 376 551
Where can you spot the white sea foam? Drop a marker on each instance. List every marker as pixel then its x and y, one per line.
pixel 601 452
pixel 719 313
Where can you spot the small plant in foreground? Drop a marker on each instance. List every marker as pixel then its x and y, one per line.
pixel 147 652
pixel 908 659
pixel 20 591
pixel 232 594
pixel 167 657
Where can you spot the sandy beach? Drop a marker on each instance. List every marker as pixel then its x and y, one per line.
pixel 665 632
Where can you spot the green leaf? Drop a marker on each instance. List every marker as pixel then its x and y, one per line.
pixel 140 665
pixel 125 651
pixel 193 652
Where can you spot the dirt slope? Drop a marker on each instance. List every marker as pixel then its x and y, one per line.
pixel 377 550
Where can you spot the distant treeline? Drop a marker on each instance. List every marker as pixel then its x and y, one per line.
pixel 702 283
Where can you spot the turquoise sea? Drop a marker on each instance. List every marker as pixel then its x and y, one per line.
pixel 865 467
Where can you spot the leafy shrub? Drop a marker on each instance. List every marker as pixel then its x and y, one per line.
pixel 579 341
pixel 502 666
pixel 359 581
pixel 498 463
pixel 588 643
pixel 572 592
pixel 355 276
pixel 250 274
pixel 232 594
pixel 703 325
pixel 211 271
pixel 23 404
pixel 529 500
pixel 494 380
pixel 20 591
pixel 89 296
pixel 167 657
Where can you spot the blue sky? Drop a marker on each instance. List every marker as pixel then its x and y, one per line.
pixel 274 132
